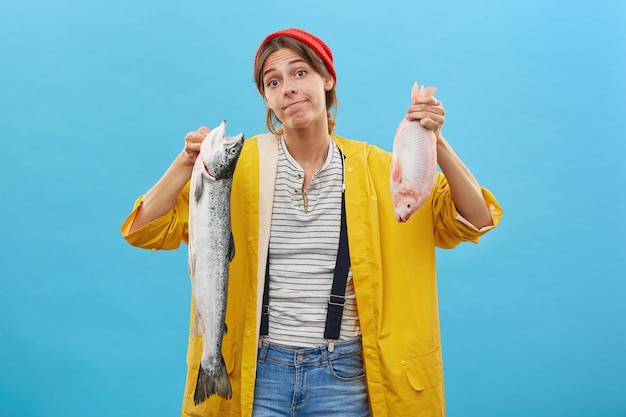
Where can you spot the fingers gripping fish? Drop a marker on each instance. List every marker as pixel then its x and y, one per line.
pixel 414 163
pixel 211 249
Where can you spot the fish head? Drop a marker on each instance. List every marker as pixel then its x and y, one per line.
pixel 406 201
pixel 221 152
pixel 223 163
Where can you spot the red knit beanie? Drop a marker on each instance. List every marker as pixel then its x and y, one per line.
pixel 306 38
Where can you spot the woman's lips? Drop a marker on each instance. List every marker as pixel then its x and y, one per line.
pixel 295 103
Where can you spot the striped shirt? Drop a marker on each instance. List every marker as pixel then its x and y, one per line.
pixel 304 238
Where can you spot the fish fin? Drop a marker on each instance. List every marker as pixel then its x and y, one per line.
pixel 414 93
pixel 396 171
pixel 196 328
pixel 199 180
pixel 191 262
pixel 231 253
pixel 217 383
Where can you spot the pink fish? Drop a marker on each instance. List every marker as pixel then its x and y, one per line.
pixel 414 163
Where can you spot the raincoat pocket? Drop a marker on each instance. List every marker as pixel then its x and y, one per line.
pixel 229 352
pixel 424 371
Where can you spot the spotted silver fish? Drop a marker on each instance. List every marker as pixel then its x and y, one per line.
pixel 211 249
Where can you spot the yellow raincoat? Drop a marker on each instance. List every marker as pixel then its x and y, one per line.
pixel 393 268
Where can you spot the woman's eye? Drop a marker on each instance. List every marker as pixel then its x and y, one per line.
pixel 300 73
pixel 272 83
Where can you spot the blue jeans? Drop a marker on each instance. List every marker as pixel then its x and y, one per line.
pixel 311 382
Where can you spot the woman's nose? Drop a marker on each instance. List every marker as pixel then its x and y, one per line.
pixel 288 87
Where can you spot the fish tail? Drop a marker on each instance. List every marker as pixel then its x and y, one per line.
pixel 207 385
pixel 415 92
pixel 428 91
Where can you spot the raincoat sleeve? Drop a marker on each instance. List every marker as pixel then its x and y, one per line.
pixel 450 227
pixel 166 232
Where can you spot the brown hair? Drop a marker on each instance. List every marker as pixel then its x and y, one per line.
pixel 309 55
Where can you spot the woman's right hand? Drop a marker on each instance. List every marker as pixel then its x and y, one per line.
pixel 193 140
pixel 162 196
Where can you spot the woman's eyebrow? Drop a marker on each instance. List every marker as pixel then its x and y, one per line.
pixel 295 61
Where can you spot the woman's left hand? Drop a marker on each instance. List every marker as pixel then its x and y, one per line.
pixel 429 112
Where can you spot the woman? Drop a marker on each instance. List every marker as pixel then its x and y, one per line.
pixel 284 353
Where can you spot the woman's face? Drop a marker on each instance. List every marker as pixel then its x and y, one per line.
pixel 294 91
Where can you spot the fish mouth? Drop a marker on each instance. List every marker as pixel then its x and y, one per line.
pixel 229 141
pixel 232 140
pixel 400 218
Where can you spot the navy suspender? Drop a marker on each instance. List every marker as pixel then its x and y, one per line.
pixel 337 299
pixel 265 309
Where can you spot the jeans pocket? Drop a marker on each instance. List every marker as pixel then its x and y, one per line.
pixel 347 368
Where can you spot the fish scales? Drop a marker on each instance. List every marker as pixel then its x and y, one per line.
pixel 414 163
pixel 210 251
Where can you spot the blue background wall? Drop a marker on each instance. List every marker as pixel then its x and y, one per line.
pixel 96 97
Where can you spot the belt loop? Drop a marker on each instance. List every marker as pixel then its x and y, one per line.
pixel 324 351
pixel 263 351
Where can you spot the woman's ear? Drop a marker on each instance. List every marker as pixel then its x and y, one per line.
pixel 329 83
